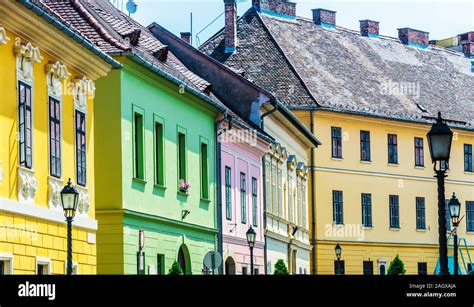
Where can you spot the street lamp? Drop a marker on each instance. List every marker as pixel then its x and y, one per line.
pixel 439 141
pixel 454 210
pixel 338 251
pixel 338 264
pixel 251 234
pixel 69 199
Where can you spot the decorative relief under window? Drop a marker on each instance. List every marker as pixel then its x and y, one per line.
pixel 82 89
pixel 26 56
pixel 27 185
pixel 54 193
pixel 56 73
pixel 84 201
pixel 3 36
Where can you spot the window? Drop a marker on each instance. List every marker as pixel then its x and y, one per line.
pixel 419 156
pixel 336 141
pixel 43 266
pixel 255 271
pixel 392 149
pixel 25 125
pixel 273 208
pixel 204 172
pixel 159 154
pixel 422 268
pixel 394 211
pixel 280 193
pixel 470 215
pixel 228 193
pixel 81 164
pixel 54 137
pixel 138 146
pixel 181 156
pixel 303 201
pixel 2 267
pixel 365 145
pixel 244 270
pixel 160 264
pixel 290 198
pixel 368 267
pixel 468 157
pixel 367 210
pixel 298 201
pixel 268 194
pixel 6 264
pixel 337 207
pixel 243 203
pixel 420 213
pixel 339 267
pixel 448 214
pixel 254 202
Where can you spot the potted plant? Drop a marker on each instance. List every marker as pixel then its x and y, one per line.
pixel 184 186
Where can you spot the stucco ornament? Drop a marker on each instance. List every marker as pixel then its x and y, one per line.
pixel 302 170
pixel 82 88
pixel 3 36
pixel 26 56
pixel 56 73
pixel 55 187
pixel 27 185
pixel 84 201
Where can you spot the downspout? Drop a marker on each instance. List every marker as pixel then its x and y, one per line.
pixel 219 191
pixel 313 207
pixel 275 107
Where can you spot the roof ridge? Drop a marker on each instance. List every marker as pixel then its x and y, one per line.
pixel 96 25
pixel 280 50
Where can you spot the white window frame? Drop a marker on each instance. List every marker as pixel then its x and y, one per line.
pixel 43 261
pixel 7 257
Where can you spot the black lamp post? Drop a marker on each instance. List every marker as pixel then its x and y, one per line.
pixel 338 251
pixel 454 210
pixel 69 199
pixel 439 141
pixel 251 234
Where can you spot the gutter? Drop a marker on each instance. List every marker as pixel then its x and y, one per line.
pixel 313 204
pixel 78 38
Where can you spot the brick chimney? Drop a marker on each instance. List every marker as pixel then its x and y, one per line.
pixel 278 8
pixel 186 36
pixel 369 28
pixel 230 39
pixel 324 18
pixel 415 38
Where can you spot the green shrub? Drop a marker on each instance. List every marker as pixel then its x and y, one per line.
pixel 396 267
pixel 280 268
pixel 175 269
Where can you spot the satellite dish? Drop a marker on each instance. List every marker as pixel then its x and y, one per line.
pixel 131 7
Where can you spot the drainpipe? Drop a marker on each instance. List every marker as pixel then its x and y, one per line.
pixel 219 190
pixel 275 108
pixel 313 207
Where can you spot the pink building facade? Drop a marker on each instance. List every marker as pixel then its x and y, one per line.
pixel 242 203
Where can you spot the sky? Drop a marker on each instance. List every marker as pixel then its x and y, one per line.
pixel 442 18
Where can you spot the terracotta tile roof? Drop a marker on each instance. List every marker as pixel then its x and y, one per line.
pixel 307 66
pixel 113 32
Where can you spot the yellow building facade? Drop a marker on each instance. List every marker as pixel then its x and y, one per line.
pixel 380 243
pixel 47 136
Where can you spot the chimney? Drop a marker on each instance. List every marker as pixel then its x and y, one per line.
pixel 186 36
pixel 369 28
pixel 230 39
pixel 466 38
pixel 277 8
pixel 324 18
pixel 415 38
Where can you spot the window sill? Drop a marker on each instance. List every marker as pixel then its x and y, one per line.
pixel 421 230
pixel 139 180
pixel 394 228
pixel 419 167
pixel 468 173
pixel 392 164
pixel 367 227
pixel 470 232
pixel 183 193
pixel 205 200
pixel 338 225
pixel 336 159
pixel 159 186
pixel 366 161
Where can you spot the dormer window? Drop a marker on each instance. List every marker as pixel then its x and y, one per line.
pixel 132 37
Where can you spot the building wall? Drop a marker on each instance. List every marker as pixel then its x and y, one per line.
pixel 32 224
pixel 162 204
pixel 381 179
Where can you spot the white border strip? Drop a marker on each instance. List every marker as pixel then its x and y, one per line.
pixel 35 211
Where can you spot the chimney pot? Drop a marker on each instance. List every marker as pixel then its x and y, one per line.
pixel 186 36
pixel 324 18
pixel 369 28
pixel 412 37
pixel 230 40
